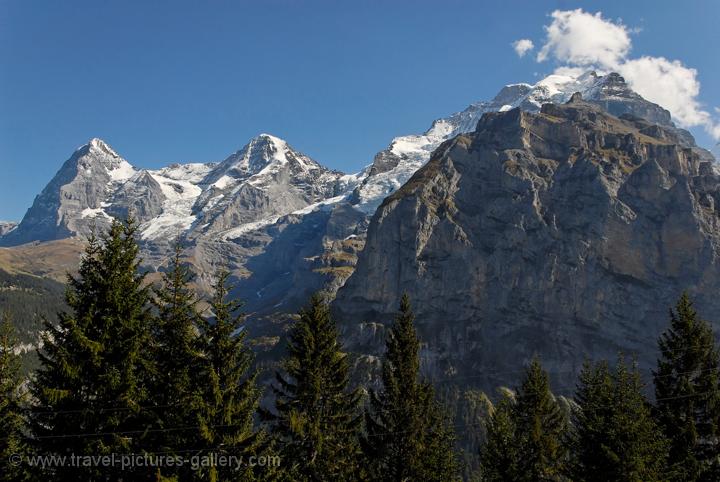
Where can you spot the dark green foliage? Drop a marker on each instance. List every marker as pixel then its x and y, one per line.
pixel 615 436
pixel 95 363
pixel 225 405
pixel 687 393
pixel 315 421
pixel 30 300
pixel 178 377
pixel 12 401
pixel 540 425
pixel 525 435
pixel 408 436
pixel 499 456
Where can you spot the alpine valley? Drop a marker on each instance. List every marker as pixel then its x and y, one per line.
pixel 559 219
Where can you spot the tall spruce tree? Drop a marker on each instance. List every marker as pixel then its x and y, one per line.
pixel 540 426
pixel 225 408
pixel 12 405
pixel 408 437
pixel 688 394
pixel 614 436
pixel 315 421
pixel 91 387
pixel 526 435
pixel 177 376
pixel 499 456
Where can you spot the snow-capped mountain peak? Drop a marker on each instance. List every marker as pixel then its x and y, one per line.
pixel 264 154
pixel 96 156
pixel 393 166
pixel 100 145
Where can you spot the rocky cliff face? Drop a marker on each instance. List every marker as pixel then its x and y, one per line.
pixel 565 233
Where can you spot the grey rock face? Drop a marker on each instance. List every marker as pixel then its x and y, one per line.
pixel 72 203
pixel 141 198
pixel 614 96
pixel 307 252
pixel 566 233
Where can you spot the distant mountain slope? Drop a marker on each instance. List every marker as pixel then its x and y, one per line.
pixel 50 259
pixel 30 300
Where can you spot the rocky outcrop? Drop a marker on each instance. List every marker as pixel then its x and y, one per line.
pixel 565 233
pixel 141 198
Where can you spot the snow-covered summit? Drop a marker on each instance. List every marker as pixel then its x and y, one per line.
pixel 264 154
pixel 263 180
pixel 393 166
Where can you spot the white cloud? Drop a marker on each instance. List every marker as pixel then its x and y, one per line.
pixel 580 40
pixel 523 46
pixel 668 83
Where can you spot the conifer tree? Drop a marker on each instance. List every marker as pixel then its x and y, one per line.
pixel 408 437
pixel 540 426
pixel 499 457
pixel 316 421
pixel 614 436
pixel 177 375
pixel 91 387
pixel 526 435
pixel 225 408
pixel 12 401
pixel 688 395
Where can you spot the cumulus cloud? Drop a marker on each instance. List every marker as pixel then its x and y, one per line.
pixel 580 40
pixel 523 46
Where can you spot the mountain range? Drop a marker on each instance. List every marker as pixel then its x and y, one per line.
pixel 538 205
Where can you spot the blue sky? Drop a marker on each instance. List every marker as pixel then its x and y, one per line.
pixel 181 81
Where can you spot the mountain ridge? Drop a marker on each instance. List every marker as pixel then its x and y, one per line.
pixel 262 197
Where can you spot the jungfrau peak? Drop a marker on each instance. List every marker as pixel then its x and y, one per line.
pixel 393 166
